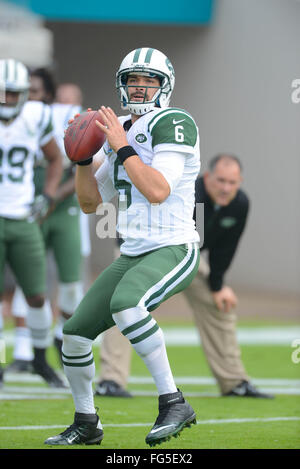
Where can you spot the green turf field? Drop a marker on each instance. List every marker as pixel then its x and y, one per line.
pixel 30 411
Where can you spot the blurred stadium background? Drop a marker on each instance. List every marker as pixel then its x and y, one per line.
pixel 235 62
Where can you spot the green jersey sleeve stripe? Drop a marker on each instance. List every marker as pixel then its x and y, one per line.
pixel 165 112
pixel 173 126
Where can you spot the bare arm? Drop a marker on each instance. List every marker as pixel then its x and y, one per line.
pixel 54 169
pixel 86 189
pixel 150 182
pixel 65 189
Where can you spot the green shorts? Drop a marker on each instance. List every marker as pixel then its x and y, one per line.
pixel 22 247
pixel 61 230
pixel 61 233
pixel 146 280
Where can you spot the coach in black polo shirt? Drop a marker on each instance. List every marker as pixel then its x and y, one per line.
pixel 226 208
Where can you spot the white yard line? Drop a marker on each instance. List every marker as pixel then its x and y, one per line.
pixel 12 391
pixel 199 422
pixel 46 393
pixel 180 336
pixel 202 380
pixel 28 378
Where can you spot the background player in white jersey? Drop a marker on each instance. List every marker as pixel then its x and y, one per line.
pixel 61 228
pixel 152 160
pixel 70 93
pixel 25 127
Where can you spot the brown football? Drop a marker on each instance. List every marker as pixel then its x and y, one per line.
pixel 83 138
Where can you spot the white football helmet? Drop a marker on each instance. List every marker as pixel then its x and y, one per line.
pixel 14 77
pixel 149 62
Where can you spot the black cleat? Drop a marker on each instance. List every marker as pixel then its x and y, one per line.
pixel 1 376
pixel 246 389
pixel 174 415
pixel 19 366
pixel 86 430
pixel 58 346
pixel 48 374
pixel 111 389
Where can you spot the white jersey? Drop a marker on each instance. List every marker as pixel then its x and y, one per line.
pixel 145 226
pixel 61 114
pixel 20 141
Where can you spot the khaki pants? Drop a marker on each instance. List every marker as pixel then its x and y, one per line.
pixel 115 357
pixel 217 331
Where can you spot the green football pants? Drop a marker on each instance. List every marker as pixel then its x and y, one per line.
pixel 22 247
pixel 146 280
pixel 61 233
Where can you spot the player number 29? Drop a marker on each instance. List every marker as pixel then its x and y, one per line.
pixel 179 136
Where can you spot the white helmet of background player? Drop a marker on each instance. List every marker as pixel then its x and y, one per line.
pixel 149 62
pixel 13 77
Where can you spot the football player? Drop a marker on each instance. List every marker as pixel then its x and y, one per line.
pixel 26 127
pixel 61 228
pixel 152 159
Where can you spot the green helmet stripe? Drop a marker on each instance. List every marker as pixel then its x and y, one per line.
pixel 136 55
pixel 149 55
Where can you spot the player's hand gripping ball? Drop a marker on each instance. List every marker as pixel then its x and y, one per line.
pixel 83 138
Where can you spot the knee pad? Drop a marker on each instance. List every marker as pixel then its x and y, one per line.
pixel 75 345
pixel 69 296
pixel 130 316
pixel 19 305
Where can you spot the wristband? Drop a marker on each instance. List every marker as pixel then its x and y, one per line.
pixel 85 162
pixel 125 152
pixel 49 199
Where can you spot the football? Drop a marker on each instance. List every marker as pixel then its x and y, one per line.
pixel 83 138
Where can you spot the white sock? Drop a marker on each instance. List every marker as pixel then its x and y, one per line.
pixel 148 341
pixel 39 321
pixel 79 368
pixel 22 347
pixel 19 304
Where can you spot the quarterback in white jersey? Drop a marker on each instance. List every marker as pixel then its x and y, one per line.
pixel 152 160
pixel 168 141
